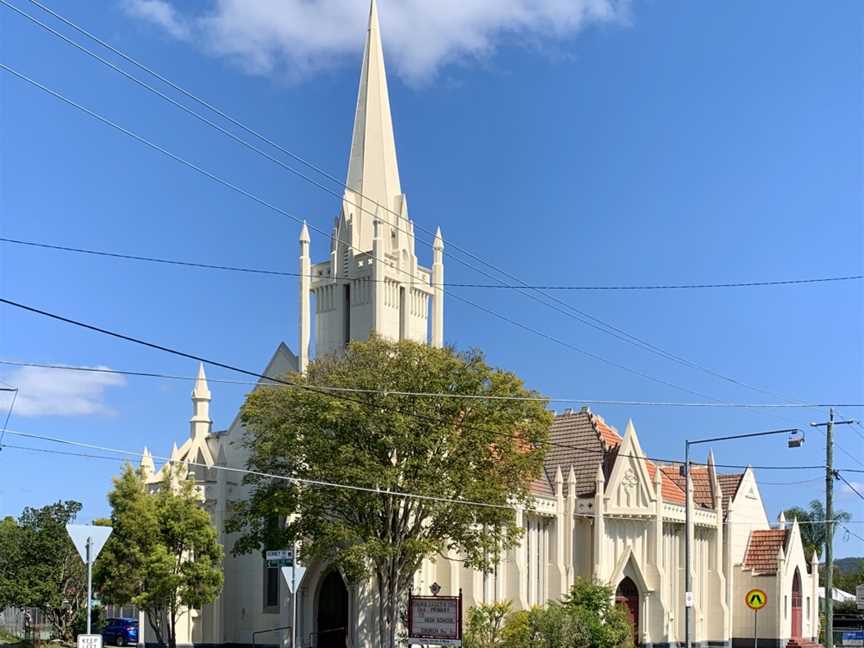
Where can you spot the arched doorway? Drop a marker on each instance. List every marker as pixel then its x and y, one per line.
pixel 332 626
pixel 796 604
pixel 627 596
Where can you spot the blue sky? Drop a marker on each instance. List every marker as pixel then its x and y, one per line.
pixel 656 143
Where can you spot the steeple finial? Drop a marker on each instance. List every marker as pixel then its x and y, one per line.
pixel 372 167
pixel 201 390
pixel 200 422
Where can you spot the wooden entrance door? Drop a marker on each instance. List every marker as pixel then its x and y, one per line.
pixel 796 605
pixel 627 596
pixel 332 630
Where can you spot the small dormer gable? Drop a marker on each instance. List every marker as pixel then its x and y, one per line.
pixel 629 488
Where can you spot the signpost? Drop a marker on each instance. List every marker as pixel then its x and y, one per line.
pixel 756 599
pixel 88 540
pixel 435 620
pixel 293 575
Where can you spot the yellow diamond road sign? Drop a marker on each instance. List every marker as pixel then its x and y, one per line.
pixel 756 599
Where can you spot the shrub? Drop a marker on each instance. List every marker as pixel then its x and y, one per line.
pixel 584 618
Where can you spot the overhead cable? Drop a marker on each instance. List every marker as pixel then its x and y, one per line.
pixel 397 392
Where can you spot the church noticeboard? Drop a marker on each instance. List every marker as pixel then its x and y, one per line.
pixel 435 620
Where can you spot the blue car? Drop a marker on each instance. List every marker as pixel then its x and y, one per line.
pixel 120 632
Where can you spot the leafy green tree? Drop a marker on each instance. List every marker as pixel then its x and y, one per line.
pixel 45 569
pixel 387 441
pixel 813 535
pixel 10 562
pixel 163 555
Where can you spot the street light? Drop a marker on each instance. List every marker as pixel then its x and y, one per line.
pixel 796 439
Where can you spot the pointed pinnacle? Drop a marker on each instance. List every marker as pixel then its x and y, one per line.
pixel 304 233
pixel 438 243
pixel 201 390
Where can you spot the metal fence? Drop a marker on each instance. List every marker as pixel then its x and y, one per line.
pixel 25 623
pixel 851 636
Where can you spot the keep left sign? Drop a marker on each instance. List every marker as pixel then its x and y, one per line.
pixel 89 641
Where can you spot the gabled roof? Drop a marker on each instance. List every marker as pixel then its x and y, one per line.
pixel 583 440
pixel 763 548
pixel 579 440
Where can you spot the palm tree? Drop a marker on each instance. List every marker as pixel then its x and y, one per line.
pixel 812 523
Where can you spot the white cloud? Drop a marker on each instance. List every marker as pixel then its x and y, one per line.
pixel 296 37
pixel 161 13
pixel 54 392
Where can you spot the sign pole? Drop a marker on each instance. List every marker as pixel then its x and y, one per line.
pixel 755 626
pixel 89 584
pixel 294 601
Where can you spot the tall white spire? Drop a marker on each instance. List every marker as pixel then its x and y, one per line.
pixel 200 422
pixel 372 168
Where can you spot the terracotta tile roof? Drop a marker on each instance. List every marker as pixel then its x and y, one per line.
pixel 703 487
pixel 729 487
pixel 591 442
pixel 577 443
pixel 670 490
pixel 762 550
pixel 542 487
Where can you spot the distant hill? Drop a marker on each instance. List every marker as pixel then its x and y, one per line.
pixel 848 565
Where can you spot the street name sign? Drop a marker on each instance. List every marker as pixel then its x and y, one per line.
pixel 756 599
pixel 89 641
pixel 280 558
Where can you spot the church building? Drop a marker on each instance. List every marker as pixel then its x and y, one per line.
pixel 602 510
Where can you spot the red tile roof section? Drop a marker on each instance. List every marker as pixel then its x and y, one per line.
pixel 584 441
pixel 762 550
pixel 671 491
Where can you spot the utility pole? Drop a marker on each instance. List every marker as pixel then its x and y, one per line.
pixel 795 441
pixel 829 523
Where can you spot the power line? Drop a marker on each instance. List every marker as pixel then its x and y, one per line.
pixel 273 476
pixel 283 212
pixel 14 391
pixel 396 392
pixel 571 311
pixel 296 480
pixel 849 485
pixel 215 363
pixel 446 284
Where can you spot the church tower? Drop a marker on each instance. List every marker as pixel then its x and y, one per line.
pixel 372 282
